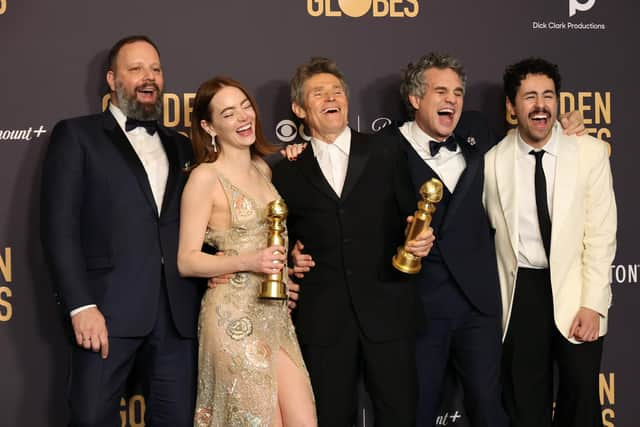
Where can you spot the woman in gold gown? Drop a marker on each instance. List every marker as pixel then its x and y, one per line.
pixel 250 371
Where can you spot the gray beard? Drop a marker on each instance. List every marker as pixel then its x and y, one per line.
pixel 134 109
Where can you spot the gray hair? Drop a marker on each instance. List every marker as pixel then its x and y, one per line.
pixel 412 82
pixel 316 65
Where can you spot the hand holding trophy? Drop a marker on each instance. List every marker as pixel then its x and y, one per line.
pixel 274 287
pixel 431 193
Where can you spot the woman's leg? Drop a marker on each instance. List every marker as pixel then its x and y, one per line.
pixel 295 400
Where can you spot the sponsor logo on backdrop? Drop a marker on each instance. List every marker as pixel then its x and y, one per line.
pixel 287 130
pixel 575 6
pixel 3 6
pixel 580 6
pixel 358 8
pixel 30 134
pixel 6 280
pixel 624 274
pixel 595 107
pixel 448 419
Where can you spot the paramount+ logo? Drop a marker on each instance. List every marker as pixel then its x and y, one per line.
pixel 359 8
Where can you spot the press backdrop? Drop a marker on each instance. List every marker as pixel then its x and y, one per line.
pixel 52 67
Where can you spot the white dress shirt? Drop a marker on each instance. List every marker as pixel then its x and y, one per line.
pixel 152 156
pixel 448 165
pixel 150 152
pixel 530 247
pixel 333 158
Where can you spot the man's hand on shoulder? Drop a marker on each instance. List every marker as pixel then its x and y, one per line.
pixel 573 123
pixel 90 330
pixel 292 151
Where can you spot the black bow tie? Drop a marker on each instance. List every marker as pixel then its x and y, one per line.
pixel 450 144
pixel 151 126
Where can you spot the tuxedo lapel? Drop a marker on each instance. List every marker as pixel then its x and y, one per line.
pixel 565 182
pixel 173 158
pixel 507 184
pixel 421 172
pixel 120 141
pixel 358 157
pixel 310 169
pixel 473 160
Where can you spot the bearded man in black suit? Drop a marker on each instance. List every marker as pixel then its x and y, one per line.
pixel 109 217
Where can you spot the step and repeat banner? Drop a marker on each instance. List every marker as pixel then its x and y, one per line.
pixel 53 67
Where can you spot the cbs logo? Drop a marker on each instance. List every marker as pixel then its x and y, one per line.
pixel 3 6
pixel 580 6
pixel 287 131
pixel 358 8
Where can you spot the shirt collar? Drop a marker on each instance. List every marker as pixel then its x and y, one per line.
pixel 551 147
pixel 422 138
pixel 121 119
pixel 342 143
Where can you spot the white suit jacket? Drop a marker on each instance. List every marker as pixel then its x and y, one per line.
pixel 584 221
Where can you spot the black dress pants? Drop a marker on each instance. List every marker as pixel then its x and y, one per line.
pixel 532 345
pixel 167 367
pixel 389 373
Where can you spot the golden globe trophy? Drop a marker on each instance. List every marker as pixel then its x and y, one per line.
pixel 431 193
pixel 274 287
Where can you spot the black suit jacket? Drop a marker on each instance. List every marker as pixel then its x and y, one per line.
pixel 352 239
pixel 103 239
pixel 464 248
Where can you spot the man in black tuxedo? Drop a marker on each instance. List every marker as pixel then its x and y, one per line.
pixel 348 198
pixel 458 284
pixel 110 211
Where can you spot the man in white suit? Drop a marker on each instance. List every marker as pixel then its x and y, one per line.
pixel 550 199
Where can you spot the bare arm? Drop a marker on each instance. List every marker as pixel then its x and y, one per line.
pixel 198 203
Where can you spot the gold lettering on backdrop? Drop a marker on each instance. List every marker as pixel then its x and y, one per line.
pixel 176 112
pixel 608 417
pixel 380 8
pixel 315 7
pixel 132 411
pixel 412 10
pixel 607 392
pixel 6 309
pixel 171 103
pixel 328 11
pixel 358 8
pixel 594 106
pixel 355 8
pixel 6 266
pixel 188 108
pixel 607 388
pixel 3 6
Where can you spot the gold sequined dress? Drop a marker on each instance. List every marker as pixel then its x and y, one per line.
pixel 239 334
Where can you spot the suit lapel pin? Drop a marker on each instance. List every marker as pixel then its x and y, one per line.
pixel 471 141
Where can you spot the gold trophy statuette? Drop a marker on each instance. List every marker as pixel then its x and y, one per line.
pixel 274 287
pixel 431 192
